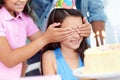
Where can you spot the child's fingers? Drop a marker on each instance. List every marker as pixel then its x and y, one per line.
pixel 59 29
pixel 85 29
pixel 64 36
pixel 85 20
pixel 54 25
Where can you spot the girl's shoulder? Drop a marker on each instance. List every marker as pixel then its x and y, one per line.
pixel 49 54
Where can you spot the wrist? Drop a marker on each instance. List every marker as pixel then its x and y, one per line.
pixel 44 39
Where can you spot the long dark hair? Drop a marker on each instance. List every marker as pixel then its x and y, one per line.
pixel 26 10
pixel 58 15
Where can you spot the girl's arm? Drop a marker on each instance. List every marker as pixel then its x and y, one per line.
pixel 48 63
pixel 11 57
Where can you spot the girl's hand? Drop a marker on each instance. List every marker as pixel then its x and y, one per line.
pixel 57 34
pixel 85 29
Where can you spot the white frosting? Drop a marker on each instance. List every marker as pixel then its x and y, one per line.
pixel 102 59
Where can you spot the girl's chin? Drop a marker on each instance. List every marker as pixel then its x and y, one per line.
pixel 19 10
pixel 75 47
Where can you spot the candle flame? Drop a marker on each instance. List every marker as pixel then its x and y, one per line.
pixel 97 33
pixel 103 34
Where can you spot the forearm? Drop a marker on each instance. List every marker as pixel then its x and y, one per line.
pixel 30 49
pixel 23 53
pixel 98 26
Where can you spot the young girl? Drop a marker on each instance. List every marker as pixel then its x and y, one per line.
pixel 65 56
pixel 15 27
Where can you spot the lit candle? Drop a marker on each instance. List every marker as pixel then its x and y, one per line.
pixel 104 35
pixel 98 38
pixel 92 40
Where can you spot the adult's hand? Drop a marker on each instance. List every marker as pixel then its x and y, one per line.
pixel 98 26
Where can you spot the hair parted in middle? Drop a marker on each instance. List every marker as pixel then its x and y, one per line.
pixel 57 16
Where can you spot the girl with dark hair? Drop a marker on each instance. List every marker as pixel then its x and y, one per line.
pixel 64 56
pixel 15 27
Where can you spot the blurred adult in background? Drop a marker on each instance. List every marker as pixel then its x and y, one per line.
pixel 92 9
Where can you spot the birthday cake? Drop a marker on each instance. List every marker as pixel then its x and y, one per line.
pixel 103 59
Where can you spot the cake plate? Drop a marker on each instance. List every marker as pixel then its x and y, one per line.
pixel 107 76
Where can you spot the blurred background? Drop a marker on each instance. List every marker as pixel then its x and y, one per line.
pixel 113 21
